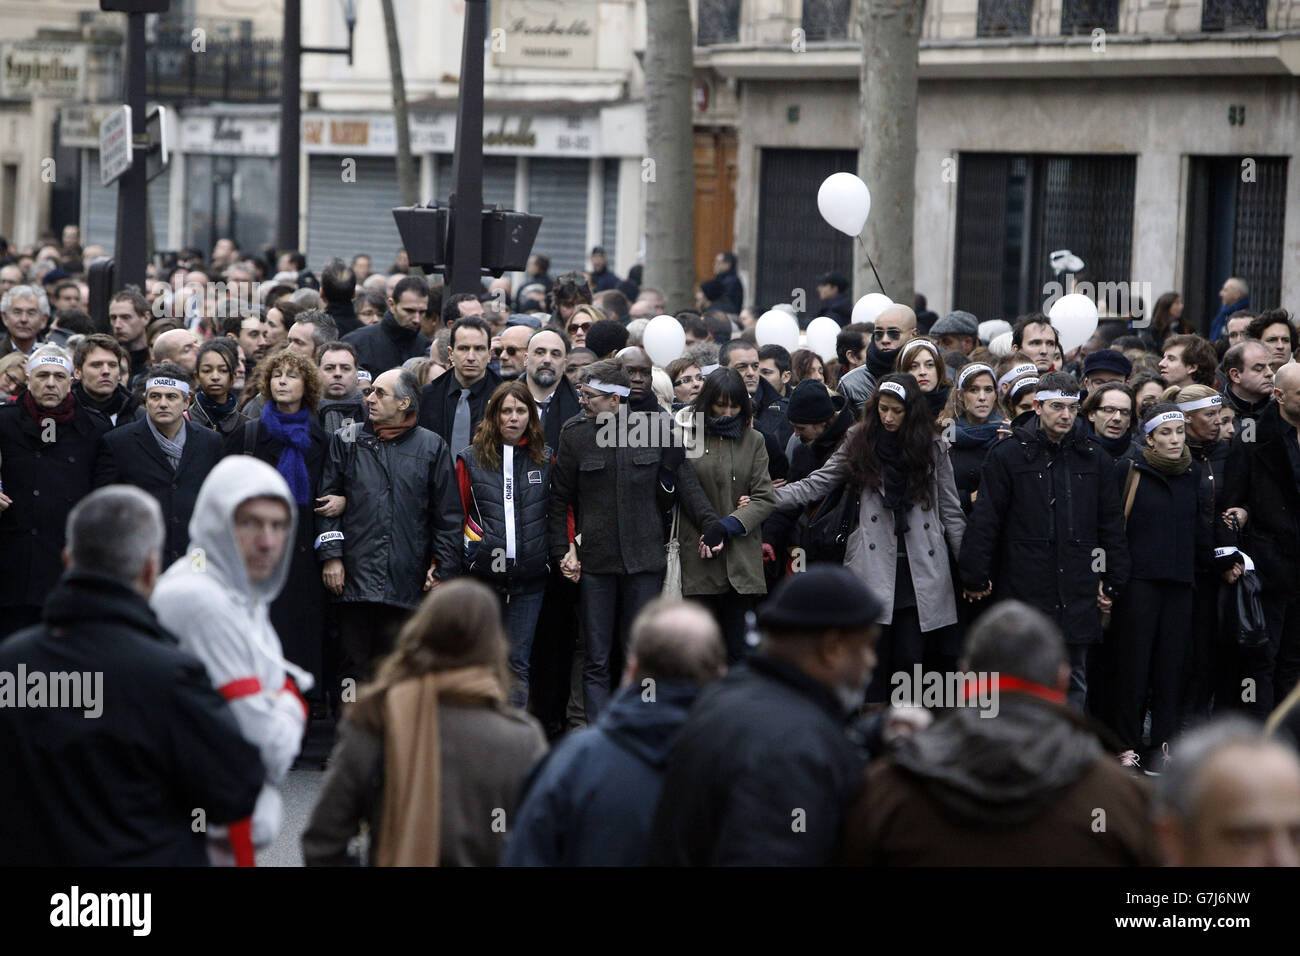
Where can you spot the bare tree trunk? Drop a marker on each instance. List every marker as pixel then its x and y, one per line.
pixel 407 179
pixel 669 166
pixel 891 34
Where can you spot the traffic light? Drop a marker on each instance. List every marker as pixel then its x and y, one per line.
pixel 102 277
pixel 424 234
pixel 507 237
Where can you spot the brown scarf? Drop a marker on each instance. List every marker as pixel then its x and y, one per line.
pixel 389 432
pixel 411 825
pixel 1169 467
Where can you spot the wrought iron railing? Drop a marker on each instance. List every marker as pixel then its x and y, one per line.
pixel 719 22
pixel 1084 16
pixel 997 18
pixel 1234 15
pixel 827 19
pixel 236 71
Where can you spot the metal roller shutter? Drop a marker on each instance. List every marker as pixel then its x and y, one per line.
pixel 609 212
pixel 557 191
pixel 347 218
pixel 498 179
pixel 101 209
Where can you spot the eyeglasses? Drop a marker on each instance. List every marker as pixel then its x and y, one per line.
pixel 368 389
pixel 511 350
pixel 1108 411
pixel 688 380
pixel 1070 407
pixel 892 334
pixel 579 327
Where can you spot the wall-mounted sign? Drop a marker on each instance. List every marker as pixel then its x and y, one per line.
pixel 31 68
pixel 79 124
pixel 230 135
pixel 545 33
pixel 538 134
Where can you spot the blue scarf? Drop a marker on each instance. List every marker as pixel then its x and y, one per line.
pixel 978 436
pixel 294 433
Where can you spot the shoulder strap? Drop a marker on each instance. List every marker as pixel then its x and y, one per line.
pixel 250 436
pixel 1130 489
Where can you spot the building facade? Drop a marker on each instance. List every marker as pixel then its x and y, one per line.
pixel 1157 141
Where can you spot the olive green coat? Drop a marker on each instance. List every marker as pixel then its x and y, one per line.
pixel 711 485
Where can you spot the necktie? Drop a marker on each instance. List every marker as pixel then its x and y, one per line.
pixel 460 426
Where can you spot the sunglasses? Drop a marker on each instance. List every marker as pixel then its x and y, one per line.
pixel 892 334
pixel 579 327
pixel 511 350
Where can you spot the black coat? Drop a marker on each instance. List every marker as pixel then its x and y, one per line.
pixel 1042 513
pixel 1261 480
pixel 44 480
pixel 225 426
pixel 967 462
pixel 386 345
pixel 733 293
pixel 762 774
pixel 403 511
pixel 121 788
pixel 119 410
pixel 770 418
pixel 838 307
pixel 344 316
pixel 137 460
pixel 563 406
pixel 298 613
pixel 438 404
pixel 1169 528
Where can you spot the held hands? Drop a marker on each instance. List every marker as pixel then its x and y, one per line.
pixel 570 566
pixel 978 595
pixel 331 505
pixel 333 575
pixel 1233 573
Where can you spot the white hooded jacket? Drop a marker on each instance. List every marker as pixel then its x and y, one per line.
pixel 208 602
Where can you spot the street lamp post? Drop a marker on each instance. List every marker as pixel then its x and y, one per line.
pixel 291 112
pixel 466 234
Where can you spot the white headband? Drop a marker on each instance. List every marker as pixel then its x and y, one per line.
pixel 708 370
pixel 1209 402
pixel 894 389
pixel 1052 396
pixel 39 360
pixel 969 370
pixel 364 376
pixel 1025 383
pixel 621 390
pixel 1016 372
pixel 1162 419
pixel 167 383
pixel 918 342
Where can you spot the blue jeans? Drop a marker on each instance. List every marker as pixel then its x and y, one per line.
pixel 599 596
pixel 519 613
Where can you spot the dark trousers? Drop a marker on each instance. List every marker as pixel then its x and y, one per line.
pixel 600 596
pixel 1150 634
pixel 1198 679
pixel 366 633
pixel 554 654
pixel 900 648
pixel 731 611
pixel 1275 667
pixel 14 619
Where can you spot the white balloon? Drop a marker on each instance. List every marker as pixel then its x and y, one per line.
pixel 844 201
pixel 871 305
pixel 777 328
pixel 664 339
pixel 1000 346
pixel 822 332
pixel 1074 317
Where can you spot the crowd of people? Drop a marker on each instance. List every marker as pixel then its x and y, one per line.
pixel 559 605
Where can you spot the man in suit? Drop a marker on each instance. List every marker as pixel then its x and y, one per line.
pixel 452 405
pixel 165 454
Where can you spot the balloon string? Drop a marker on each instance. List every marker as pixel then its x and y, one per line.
pixel 872 264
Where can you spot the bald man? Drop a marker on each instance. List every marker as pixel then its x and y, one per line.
pixel 511 348
pixel 893 328
pixel 1262 490
pixel 592 801
pixel 177 345
pixel 1230 797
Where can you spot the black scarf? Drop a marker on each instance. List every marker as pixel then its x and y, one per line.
pixel 728 427
pixel 105 406
pixel 396 331
pixel 879 363
pixel 1117 447
pixel 647 402
pixel 937 399
pixel 890 452
pixel 216 411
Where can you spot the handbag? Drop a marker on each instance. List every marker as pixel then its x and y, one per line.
pixel 1250 629
pixel 673 561
pixel 825 536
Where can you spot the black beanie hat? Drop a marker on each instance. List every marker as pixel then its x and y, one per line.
pixel 825 597
pixel 811 404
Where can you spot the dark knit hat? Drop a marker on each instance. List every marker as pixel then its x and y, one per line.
pixel 825 597
pixel 811 404
pixel 1107 360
